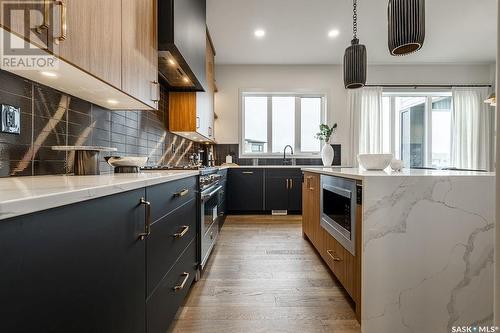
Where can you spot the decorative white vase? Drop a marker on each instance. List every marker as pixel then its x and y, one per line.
pixel 327 154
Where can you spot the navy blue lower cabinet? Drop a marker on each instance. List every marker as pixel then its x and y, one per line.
pixel 76 268
pixel 283 189
pixel 168 295
pixel 245 190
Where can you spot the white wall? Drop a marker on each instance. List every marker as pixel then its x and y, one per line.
pixel 497 228
pixel 231 79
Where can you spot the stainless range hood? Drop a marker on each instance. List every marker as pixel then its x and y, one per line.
pixel 182 43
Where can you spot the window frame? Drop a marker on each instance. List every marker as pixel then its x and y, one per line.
pixel 396 118
pixel 297 153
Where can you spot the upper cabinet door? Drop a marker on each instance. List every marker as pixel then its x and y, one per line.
pixel 140 52
pixel 106 34
pixel 92 39
pixel 72 33
pixel 28 19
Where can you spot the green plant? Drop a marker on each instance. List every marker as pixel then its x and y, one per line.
pixel 325 132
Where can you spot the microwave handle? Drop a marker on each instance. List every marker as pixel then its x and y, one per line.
pixel 338 190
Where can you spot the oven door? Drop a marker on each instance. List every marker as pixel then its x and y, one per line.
pixel 209 221
pixel 338 210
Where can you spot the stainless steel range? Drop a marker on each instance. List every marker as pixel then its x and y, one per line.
pixel 209 201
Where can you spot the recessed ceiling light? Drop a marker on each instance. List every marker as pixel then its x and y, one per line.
pixel 171 62
pixel 186 79
pixel 259 33
pixel 112 101
pixel 49 74
pixel 333 33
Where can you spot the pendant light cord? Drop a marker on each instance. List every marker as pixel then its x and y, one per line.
pixel 355 19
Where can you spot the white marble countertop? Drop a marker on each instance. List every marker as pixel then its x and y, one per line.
pixel 24 195
pixel 360 174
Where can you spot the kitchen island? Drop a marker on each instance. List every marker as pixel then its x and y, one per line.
pixel 427 248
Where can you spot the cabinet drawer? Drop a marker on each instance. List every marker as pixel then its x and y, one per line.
pixel 166 197
pixel 163 304
pixel 341 262
pixel 168 239
pixel 284 173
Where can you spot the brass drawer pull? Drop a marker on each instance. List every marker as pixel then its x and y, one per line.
pixel 332 255
pixel 181 193
pixel 247 172
pixel 64 24
pixel 46 13
pixel 185 229
pixel 181 286
pixel 147 225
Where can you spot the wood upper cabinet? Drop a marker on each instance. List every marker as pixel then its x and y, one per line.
pixel 26 19
pixel 106 33
pixel 92 38
pixel 140 51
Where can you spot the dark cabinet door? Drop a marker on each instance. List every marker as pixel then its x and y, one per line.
pixel 295 194
pixel 77 268
pixel 246 190
pixel 277 193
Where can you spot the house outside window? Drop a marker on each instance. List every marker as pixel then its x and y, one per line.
pixel 271 121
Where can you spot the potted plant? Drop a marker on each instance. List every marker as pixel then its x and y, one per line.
pixel 324 134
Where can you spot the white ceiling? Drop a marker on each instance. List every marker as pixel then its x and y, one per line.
pixel 457 31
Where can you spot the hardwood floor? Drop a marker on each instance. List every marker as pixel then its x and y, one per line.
pixel 264 277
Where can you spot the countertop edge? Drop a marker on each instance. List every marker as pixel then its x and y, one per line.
pixel 32 204
pixel 358 174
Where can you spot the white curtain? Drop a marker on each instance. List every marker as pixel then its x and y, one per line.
pixel 471 129
pixel 365 109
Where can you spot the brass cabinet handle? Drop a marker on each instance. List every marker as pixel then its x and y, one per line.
pixel 181 193
pixel 46 13
pixel 291 183
pixel 64 22
pixel 147 225
pixel 181 286
pixel 287 184
pixel 185 229
pixel 155 91
pixel 332 255
pixel 247 172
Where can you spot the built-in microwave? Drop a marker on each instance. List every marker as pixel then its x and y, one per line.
pixel 339 197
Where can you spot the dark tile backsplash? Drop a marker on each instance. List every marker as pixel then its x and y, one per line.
pixel 49 117
pixel 221 150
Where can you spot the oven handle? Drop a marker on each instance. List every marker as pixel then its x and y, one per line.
pixel 338 190
pixel 205 197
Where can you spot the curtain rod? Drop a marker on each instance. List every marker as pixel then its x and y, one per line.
pixel 429 85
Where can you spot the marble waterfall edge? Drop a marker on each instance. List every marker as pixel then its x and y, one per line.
pixel 428 253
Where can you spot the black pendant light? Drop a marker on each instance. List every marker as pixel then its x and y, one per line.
pixel 406 26
pixel 355 58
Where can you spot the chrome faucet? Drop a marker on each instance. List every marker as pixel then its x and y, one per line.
pixel 285 161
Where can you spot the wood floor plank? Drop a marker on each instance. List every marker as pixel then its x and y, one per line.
pixel 264 277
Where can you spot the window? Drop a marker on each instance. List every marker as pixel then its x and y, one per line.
pixel 272 121
pixel 418 127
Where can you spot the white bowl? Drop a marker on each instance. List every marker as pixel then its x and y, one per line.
pixel 127 161
pixel 374 161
